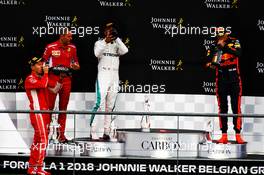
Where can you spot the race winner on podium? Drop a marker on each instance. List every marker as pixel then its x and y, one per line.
pixel 107 50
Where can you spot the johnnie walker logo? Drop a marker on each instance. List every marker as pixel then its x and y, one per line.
pixel 221 4
pixel 115 3
pixel 12 2
pixel 12 42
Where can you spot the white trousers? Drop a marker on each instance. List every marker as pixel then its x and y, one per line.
pixel 107 85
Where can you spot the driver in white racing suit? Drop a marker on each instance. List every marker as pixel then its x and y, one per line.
pixel 107 50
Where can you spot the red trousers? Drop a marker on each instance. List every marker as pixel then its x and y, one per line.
pixel 40 123
pixel 64 95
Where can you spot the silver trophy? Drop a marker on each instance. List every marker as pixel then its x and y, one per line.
pixel 209 131
pixel 217 58
pixel 113 134
pixel 145 119
pixel 54 126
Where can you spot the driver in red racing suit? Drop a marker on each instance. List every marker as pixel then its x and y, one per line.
pixel 228 82
pixel 37 92
pixel 61 54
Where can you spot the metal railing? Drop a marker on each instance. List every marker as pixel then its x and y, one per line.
pixel 244 115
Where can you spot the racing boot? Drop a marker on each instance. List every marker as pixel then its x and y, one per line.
pixel 239 139
pixel 32 170
pixel 40 171
pixel 223 139
pixel 93 134
pixel 106 136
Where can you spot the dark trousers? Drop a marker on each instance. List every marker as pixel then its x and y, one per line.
pixel 234 89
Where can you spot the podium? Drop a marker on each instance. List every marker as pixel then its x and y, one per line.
pixel 214 150
pixel 93 148
pixel 160 143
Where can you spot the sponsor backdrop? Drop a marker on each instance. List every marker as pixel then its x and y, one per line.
pixel 170 59
pixel 165 62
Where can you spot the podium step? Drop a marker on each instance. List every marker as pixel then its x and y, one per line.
pixel 60 149
pixel 215 150
pixel 157 143
pixel 161 143
pixel 99 148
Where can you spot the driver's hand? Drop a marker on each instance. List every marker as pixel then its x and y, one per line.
pixel 46 69
pixel 75 66
pixel 109 38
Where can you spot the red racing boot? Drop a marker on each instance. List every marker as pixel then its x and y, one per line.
pixel 239 139
pixel 40 171
pixel 223 139
pixel 32 170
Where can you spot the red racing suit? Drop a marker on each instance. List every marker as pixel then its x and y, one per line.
pixel 58 55
pixel 37 92
pixel 228 82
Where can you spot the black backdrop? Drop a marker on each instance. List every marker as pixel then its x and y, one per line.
pixel 133 19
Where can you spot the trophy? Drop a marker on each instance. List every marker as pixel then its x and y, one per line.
pixel 113 134
pixel 218 52
pixel 217 57
pixel 209 131
pixel 145 121
pixel 54 126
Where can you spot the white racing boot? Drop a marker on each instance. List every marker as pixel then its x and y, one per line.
pixel 93 134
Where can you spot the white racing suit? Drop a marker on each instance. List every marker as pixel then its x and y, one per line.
pixel 107 82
